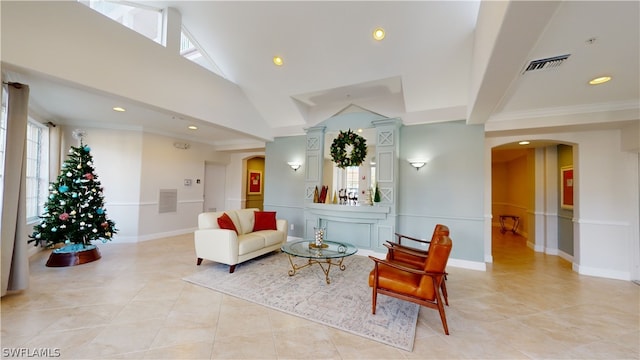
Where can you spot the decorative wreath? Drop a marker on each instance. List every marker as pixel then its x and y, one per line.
pixel 348 149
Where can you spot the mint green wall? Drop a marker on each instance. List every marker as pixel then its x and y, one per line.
pixel 283 187
pixel 449 189
pixel 565 216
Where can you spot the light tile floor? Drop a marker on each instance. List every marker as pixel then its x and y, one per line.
pixel 132 304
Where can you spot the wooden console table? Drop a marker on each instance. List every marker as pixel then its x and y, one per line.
pixel 514 228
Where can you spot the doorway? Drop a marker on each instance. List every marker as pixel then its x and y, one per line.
pixel 254 189
pixel 527 192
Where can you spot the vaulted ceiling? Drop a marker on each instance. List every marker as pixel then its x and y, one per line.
pixel 440 61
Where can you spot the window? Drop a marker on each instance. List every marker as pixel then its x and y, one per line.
pixel 37 182
pixel 348 179
pixel 37 169
pixel 191 50
pixel 145 20
pixel 352 173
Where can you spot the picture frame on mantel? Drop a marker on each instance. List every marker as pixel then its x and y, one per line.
pixel 254 187
pixel 566 187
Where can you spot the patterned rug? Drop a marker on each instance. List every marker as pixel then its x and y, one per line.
pixel 344 304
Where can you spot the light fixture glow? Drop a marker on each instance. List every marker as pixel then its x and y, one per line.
pixel 417 164
pixel 294 165
pixel 600 80
pixel 525 142
pixel 378 34
pixel 119 109
pixel 278 61
pixel 192 127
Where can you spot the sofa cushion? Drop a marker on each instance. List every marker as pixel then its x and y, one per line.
pixel 246 220
pixel 265 220
pixel 225 222
pixel 271 237
pixel 250 242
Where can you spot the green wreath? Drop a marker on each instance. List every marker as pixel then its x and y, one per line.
pixel 341 156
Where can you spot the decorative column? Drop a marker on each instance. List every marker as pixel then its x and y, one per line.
pixel 313 161
pixel 387 169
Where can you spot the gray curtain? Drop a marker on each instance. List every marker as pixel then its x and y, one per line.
pixel 15 262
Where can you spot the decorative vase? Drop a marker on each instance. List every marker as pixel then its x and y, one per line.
pixel 319 236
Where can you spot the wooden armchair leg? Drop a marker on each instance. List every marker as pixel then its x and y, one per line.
pixel 443 317
pixel 444 292
pixel 232 268
pixel 374 299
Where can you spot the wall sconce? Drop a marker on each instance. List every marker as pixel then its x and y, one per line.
pixel 417 164
pixel 294 165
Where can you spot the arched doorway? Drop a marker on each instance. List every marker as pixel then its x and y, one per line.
pixel 533 185
pixel 254 184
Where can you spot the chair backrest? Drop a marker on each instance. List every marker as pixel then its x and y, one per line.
pixel 438 230
pixel 439 250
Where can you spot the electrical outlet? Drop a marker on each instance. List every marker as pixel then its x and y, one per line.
pixel 291 227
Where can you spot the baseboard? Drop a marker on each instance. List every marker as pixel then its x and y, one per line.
pixel 466 264
pixel 603 273
pixel 155 236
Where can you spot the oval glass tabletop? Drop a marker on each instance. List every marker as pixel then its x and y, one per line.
pixel 329 249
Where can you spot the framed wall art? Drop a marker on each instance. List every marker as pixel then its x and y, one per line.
pixel 255 182
pixel 566 187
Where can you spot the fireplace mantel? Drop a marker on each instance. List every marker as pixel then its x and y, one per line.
pixel 364 226
pixel 359 212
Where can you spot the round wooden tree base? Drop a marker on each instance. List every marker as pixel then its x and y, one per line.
pixel 61 259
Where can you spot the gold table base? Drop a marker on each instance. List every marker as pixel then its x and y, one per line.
pixel 328 262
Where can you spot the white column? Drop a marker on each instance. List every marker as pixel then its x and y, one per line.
pixel 551 200
pixel 172 22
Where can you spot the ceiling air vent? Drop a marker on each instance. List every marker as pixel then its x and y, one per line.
pixel 548 63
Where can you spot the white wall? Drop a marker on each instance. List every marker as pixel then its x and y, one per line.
pixel 117 161
pixel 67 40
pixel 166 167
pixel 606 209
pixel 133 166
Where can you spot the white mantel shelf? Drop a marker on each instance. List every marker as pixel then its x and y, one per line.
pixel 350 211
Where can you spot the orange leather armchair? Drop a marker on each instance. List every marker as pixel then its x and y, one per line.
pixel 420 286
pixel 413 257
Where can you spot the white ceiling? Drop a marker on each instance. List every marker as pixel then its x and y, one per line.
pixel 425 70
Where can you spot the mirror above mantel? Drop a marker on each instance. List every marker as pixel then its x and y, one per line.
pixel 356 182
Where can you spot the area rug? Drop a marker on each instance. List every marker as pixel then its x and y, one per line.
pixel 344 304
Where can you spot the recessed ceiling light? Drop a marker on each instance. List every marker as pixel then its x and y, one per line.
pixel 119 109
pixel 525 142
pixel 600 80
pixel 193 127
pixel 378 34
pixel 278 61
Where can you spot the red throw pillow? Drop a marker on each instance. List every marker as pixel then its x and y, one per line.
pixel 225 222
pixel 265 220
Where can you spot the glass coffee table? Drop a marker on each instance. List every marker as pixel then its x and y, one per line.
pixel 330 253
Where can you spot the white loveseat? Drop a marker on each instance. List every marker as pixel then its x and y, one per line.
pixel 227 247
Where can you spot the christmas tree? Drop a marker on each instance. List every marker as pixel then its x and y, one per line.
pixel 74 212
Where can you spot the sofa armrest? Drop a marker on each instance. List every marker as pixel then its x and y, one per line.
pixel 218 245
pixel 282 225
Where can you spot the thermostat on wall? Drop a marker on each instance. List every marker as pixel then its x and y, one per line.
pixel 187 182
